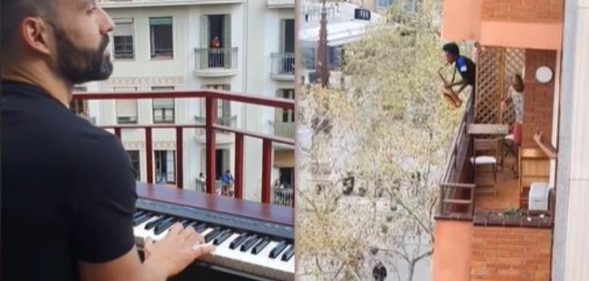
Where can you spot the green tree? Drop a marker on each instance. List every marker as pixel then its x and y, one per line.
pixel 388 124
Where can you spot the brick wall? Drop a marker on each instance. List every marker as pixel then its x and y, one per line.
pixel 510 254
pixel 538 98
pixel 540 11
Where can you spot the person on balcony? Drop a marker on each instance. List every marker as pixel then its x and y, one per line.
pixel 465 66
pixel 68 187
pixel 515 94
pixel 227 181
pixel 548 149
pixel 215 52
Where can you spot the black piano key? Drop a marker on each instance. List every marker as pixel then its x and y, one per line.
pixel 222 237
pixel 277 250
pixel 158 229
pixel 216 231
pixel 200 228
pixel 260 246
pixel 187 223
pixel 152 224
pixel 289 253
pixel 238 241
pixel 163 221
pixel 138 214
pixel 249 243
pixel 141 219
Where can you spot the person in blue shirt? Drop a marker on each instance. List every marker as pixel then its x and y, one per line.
pixel 465 66
pixel 227 180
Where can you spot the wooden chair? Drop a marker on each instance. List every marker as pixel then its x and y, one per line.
pixel 534 166
pixel 486 153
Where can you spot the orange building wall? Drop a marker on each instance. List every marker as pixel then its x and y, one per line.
pixel 538 98
pixel 535 24
pixel 452 250
pixel 510 254
pixel 540 11
pixel 458 24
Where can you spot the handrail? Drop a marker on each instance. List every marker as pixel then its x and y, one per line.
pixel 222 95
pixel 211 125
pixel 448 184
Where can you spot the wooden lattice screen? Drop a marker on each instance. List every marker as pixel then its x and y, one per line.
pixel 495 68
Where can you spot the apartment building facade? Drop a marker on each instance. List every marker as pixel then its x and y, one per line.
pixel 508 237
pixel 230 45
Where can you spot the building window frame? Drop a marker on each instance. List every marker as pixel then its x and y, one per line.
pixel 160 27
pixel 124 39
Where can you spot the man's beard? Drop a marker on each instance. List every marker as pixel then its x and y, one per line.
pixel 79 65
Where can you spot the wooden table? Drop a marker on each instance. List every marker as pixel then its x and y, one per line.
pixel 488 129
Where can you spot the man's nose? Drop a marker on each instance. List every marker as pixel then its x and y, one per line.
pixel 107 24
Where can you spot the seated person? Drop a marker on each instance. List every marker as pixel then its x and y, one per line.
pixel 548 149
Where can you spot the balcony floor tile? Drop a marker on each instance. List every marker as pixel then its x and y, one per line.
pixel 507 186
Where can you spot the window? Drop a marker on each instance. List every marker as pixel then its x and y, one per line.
pixel 165 166
pixel 286 116
pixel 223 106
pixel 126 111
pixel 134 156
pixel 78 106
pixel 216 40
pixel 288 36
pixel 287 177
pixel 161 31
pixel 308 57
pixel 123 39
pixel 163 109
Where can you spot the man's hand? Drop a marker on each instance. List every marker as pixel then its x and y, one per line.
pixel 177 250
pixel 538 137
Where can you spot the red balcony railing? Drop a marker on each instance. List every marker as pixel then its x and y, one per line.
pixel 211 98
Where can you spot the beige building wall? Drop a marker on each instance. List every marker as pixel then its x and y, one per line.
pixel 571 244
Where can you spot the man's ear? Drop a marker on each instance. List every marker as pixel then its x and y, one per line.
pixel 35 33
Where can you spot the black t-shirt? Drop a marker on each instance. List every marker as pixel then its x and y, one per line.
pixel 68 189
pixel 467 69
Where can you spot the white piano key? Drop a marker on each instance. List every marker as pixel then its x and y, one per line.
pixel 234 259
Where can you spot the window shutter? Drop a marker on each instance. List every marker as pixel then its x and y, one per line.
pixel 160 21
pixel 163 103
pixel 204 31
pixel 123 27
pixel 227 33
pixel 126 108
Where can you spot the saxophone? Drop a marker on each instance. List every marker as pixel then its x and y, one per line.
pixel 448 93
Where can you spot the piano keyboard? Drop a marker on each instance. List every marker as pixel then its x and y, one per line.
pixel 244 245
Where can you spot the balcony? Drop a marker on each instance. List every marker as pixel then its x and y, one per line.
pixel 223 137
pixel 484 215
pixel 279 4
pixel 283 129
pixel 211 126
pixel 282 66
pixel 220 62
